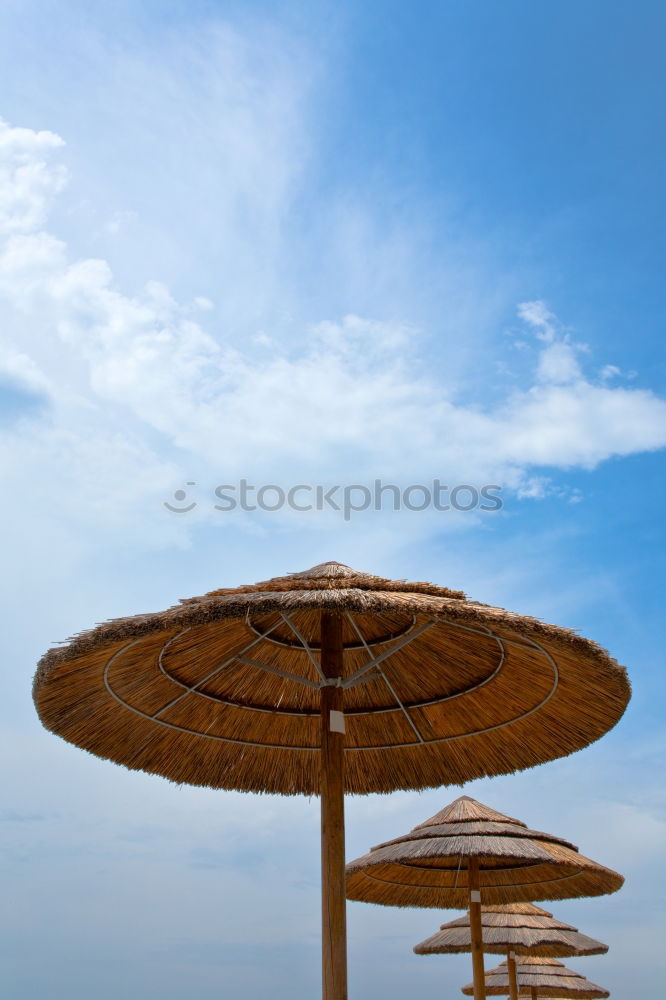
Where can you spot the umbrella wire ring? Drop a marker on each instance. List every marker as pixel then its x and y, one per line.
pixel 526 867
pixel 184 729
pixel 395 746
pixel 305 681
pixel 380 640
pixel 449 697
pixel 360 677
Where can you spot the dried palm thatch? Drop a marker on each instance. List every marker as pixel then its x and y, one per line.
pixel 518 927
pixel 541 977
pixel 430 866
pixel 224 690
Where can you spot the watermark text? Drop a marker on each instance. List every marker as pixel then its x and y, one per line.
pixel 347 499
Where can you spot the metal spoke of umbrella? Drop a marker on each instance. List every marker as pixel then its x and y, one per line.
pixel 304 642
pixel 180 694
pixel 287 674
pixel 194 687
pixel 385 678
pixel 414 634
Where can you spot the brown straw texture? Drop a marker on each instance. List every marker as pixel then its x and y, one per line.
pixel 520 927
pixel 549 977
pixel 220 690
pixel 429 866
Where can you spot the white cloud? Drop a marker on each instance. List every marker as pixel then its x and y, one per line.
pixel 537 315
pixel 534 488
pixel 558 364
pixel 355 397
pixel 28 180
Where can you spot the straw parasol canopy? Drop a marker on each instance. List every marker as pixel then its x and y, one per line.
pixel 467 854
pixel 429 865
pixel 326 681
pixel 519 927
pixel 541 977
pixel 224 690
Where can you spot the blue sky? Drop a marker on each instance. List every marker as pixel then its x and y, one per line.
pixel 321 243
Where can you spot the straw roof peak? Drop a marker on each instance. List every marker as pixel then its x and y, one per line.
pixel 326 569
pixel 336 576
pixel 465 809
pixel 521 909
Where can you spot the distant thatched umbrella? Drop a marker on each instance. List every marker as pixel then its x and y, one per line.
pixel 229 690
pixel 468 851
pixel 541 977
pixel 520 927
pixel 516 929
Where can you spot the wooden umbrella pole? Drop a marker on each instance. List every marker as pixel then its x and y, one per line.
pixel 476 929
pixel 334 920
pixel 513 979
pixel 534 993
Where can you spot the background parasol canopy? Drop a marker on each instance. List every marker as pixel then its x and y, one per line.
pixel 430 865
pixel 224 690
pixel 519 927
pixel 547 976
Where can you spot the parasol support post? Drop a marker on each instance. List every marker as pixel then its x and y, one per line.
pixel 476 929
pixel 513 979
pixel 334 921
pixel 534 993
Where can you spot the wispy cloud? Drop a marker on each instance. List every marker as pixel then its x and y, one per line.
pixel 352 394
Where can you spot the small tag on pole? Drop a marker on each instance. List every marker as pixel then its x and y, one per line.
pixel 512 956
pixel 475 896
pixel 336 722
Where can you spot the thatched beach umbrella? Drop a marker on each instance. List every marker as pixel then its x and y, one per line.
pixel 329 681
pixel 467 853
pixel 514 929
pixel 541 977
